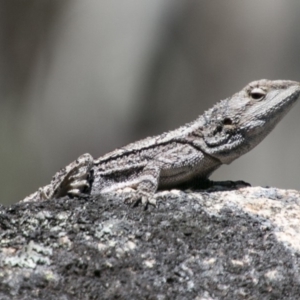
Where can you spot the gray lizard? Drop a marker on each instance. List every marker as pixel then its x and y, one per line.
pixel 231 128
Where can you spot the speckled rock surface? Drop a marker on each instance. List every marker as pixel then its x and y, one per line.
pixel 239 244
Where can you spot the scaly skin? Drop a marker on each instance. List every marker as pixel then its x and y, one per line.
pixel 231 128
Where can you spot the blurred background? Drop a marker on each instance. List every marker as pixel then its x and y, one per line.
pixel 90 76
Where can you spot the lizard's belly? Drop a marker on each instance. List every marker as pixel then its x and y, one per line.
pixel 173 176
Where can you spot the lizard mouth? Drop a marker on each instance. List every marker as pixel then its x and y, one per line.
pixel 286 104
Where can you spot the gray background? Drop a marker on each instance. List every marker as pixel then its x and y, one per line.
pixel 90 76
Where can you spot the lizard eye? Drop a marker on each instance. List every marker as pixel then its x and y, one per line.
pixel 257 94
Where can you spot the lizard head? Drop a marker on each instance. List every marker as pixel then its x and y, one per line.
pixel 237 124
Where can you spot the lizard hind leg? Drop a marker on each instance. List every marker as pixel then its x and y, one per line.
pixel 74 179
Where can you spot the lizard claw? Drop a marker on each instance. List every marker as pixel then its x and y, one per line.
pixel 71 180
pixel 144 200
pixel 149 200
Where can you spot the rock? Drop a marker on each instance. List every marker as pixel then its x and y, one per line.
pixel 213 244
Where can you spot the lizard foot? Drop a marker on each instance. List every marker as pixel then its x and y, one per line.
pixel 71 180
pixel 230 184
pixel 142 198
pixel 76 178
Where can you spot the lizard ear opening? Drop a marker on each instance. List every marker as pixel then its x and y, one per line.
pixel 257 94
pixel 227 121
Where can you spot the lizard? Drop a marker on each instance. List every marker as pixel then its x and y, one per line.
pixel 231 128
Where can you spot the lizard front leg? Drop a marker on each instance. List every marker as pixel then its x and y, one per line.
pixel 147 186
pixel 141 179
